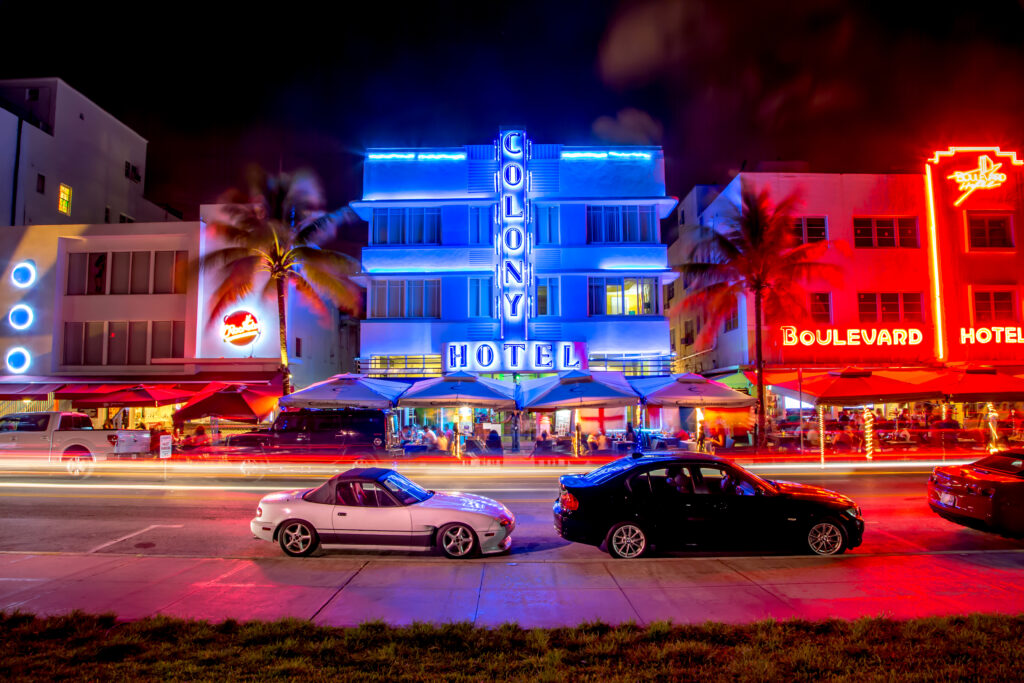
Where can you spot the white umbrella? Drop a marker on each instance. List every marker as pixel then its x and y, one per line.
pixel 461 389
pixel 579 389
pixel 346 390
pixel 689 391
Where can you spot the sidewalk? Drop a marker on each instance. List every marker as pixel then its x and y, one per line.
pixel 345 591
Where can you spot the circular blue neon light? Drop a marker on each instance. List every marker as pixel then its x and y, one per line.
pixel 23 274
pixel 20 317
pixel 18 360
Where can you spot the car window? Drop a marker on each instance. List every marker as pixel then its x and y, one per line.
pixel 83 422
pixel 707 479
pixel 25 423
pixel 289 422
pixel 364 494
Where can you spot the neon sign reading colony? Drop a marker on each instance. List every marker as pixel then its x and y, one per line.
pixel 985 177
pixel 791 336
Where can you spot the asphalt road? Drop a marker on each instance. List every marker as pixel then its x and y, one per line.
pixel 209 516
pixel 136 545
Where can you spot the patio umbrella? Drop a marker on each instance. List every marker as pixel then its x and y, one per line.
pixel 238 402
pixel 346 390
pixel 854 387
pixel 978 384
pixel 689 391
pixel 137 396
pixel 579 389
pixel 461 389
pixel 75 392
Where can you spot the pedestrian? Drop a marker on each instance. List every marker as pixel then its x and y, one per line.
pixel 630 437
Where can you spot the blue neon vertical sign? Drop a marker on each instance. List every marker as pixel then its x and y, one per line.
pixel 513 249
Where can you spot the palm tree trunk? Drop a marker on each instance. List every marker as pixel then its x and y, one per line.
pixel 282 327
pixel 759 369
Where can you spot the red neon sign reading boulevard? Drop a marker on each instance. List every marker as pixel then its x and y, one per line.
pixel 791 336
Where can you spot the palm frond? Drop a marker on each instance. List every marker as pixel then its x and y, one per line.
pixel 236 285
pixel 309 295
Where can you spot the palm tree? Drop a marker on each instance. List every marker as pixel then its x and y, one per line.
pixel 279 228
pixel 757 253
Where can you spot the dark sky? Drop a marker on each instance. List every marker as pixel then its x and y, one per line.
pixel 844 86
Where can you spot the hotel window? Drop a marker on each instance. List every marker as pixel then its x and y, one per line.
pixel 623 296
pixel 617 224
pixel 400 299
pixel 64 200
pixel 40 183
pixel 547 296
pixel 994 307
pixel 406 226
pixel 670 291
pixel 885 232
pixel 481 229
pixel 732 321
pixel 168 339
pixel 481 301
pixel 990 231
pixel 298 347
pixel 810 229
pixel 547 225
pixel 688 333
pixel 821 307
pixel 873 307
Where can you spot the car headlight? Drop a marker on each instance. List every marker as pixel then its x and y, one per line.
pixel 853 512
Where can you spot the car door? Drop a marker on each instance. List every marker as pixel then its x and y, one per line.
pixel 367 514
pixel 32 437
pixel 667 508
pixel 709 506
pixel 745 517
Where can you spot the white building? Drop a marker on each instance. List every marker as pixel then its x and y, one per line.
pixel 65 160
pixel 514 257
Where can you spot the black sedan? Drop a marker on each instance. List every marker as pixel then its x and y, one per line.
pixel 987 494
pixel 696 500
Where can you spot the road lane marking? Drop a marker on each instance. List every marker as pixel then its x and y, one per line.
pixel 134 533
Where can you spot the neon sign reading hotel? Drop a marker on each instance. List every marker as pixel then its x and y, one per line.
pixel 514 282
pixel 910 336
pixel 985 177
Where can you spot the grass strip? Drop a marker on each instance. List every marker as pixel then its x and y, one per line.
pixel 80 646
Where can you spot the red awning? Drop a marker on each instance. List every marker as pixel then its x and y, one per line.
pixel 31 391
pixel 852 387
pixel 71 392
pixel 138 396
pixel 231 401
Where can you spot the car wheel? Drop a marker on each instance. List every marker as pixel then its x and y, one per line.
pixel 456 541
pixel 78 463
pixel 626 541
pixel 826 537
pixel 298 538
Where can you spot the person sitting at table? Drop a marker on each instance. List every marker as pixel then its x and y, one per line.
pixel 543 444
pixel 591 442
pixel 494 442
pixel 603 443
pixel 813 435
pixel 844 439
pixel 682 435
pixel 903 434
pixel 430 438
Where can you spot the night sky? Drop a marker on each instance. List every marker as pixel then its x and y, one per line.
pixel 843 86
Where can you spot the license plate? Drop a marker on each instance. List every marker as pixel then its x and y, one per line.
pixel 947 499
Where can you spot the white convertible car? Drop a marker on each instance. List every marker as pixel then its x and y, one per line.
pixel 379 509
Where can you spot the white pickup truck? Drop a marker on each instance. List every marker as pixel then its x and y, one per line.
pixel 67 438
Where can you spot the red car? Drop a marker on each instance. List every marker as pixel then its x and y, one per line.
pixel 987 494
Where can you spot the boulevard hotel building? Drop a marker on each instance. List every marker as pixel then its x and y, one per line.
pixel 931 269
pixel 514 258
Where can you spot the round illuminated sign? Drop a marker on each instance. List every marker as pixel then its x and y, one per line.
pixel 241 328
pixel 23 274
pixel 18 360
pixel 20 317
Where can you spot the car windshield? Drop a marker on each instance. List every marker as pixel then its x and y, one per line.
pixel 1008 464
pixel 405 491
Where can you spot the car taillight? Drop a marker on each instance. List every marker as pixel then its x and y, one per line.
pixel 568 502
pixel 259 511
pixel 504 521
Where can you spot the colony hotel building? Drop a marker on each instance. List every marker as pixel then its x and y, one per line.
pixel 931 267
pixel 514 257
